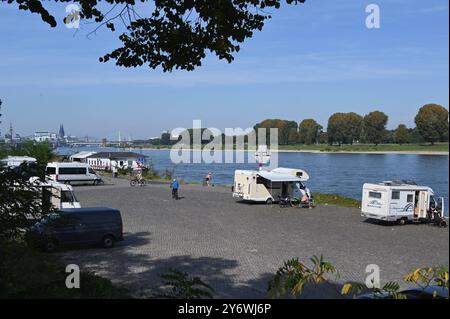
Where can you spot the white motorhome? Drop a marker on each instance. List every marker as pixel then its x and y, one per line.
pixel 72 173
pixel 61 196
pixel 268 185
pixel 400 202
pixel 16 161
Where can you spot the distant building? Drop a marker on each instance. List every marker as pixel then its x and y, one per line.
pixel 104 160
pixel 62 133
pixel 81 157
pixel 41 137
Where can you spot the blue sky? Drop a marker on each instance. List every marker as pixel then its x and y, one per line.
pixel 310 60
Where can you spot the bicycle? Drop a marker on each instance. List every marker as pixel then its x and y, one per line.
pixel 137 182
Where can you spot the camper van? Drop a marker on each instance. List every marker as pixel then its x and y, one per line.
pixel 60 196
pixel 268 186
pixel 16 161
pixel 401 202
pixel 72 173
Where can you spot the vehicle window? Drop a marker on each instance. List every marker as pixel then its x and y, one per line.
pixel 375 195
pixel 67 197
pixel 72 171
pixel 395 195
pixel 261 180
pixel 51 170
pixel 410 198
pixel 46 196
pixel 91 171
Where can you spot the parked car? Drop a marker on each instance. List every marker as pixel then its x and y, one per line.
pixel 79 226
pixel 73 173
pixel 431 292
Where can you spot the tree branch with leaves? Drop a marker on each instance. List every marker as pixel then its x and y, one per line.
pixel 177 34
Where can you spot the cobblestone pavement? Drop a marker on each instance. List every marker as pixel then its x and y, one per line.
pixel 237 247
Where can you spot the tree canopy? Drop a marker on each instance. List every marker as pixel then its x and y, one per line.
pixel 374 127
pixel 401 135
pixel 171 34
pixel 285 129
pixel 432 123
pixel 309 131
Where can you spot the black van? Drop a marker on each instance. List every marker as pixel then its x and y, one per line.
pixel 80 226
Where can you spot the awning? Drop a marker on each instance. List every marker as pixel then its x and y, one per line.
pixel 278 177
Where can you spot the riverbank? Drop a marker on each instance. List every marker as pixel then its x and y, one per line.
pixel 407 149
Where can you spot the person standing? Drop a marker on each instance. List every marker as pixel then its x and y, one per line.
pixel 114 169
pixel 208 179
pixel 175 187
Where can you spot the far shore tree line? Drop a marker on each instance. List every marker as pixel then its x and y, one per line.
pixel 432 126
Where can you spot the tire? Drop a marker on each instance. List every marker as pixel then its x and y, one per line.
pixel 133 183
pixel 269 201
pixel 108 242
pixel 50 246
pixel 401 222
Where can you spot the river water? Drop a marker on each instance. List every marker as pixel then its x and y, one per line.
pixel 336 173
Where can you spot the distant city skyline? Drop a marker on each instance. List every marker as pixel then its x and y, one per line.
pixel 310 61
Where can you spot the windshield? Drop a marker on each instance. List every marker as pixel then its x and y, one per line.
pixel 68 197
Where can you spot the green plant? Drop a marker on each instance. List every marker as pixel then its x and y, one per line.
pixel 426 277
pixel 169 173
pixel 21 202
pixel 150 172
pixel 184 286
pixel 389 291
pixel 294 276
pixel 421 277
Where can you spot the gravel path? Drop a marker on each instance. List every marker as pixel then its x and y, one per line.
pixel 237 247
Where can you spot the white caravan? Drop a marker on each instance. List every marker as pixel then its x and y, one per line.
pixel 268 185
pixel 16 161
pixel 72 173
pixel 400 202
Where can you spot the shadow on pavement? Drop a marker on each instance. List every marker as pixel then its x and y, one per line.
pixel 140 273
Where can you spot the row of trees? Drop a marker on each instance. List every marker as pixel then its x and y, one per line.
pixel 348 128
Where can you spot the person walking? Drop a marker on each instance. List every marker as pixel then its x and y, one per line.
pixel 175 187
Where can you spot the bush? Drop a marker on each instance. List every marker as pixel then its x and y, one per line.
pixel 183 286
pixel 27 273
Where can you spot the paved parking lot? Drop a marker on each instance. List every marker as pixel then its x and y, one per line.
pixel 237 247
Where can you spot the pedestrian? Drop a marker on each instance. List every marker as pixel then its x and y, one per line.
pixel 114 169
pixel 175 186
pixel 208 179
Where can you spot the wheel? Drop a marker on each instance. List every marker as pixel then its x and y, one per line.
pixel 108 241
pixel 133 183
pixel 50 246
pixel 402 221
pixel 269 201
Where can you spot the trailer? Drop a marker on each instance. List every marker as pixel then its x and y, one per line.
pixel 400 202
pixel 268 186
